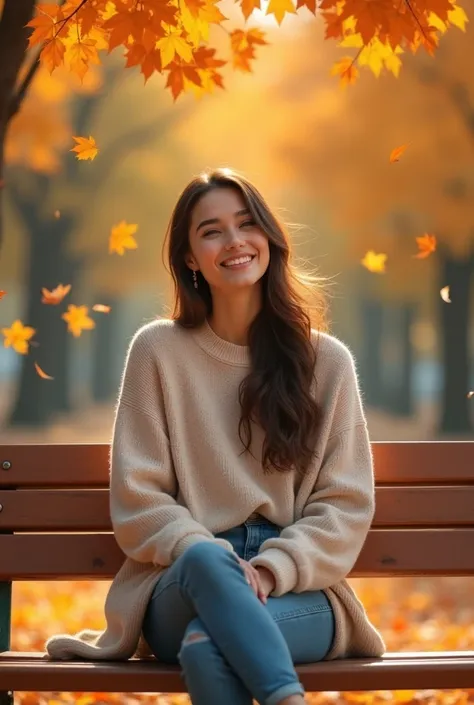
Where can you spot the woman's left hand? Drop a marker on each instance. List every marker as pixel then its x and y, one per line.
pixel 267 579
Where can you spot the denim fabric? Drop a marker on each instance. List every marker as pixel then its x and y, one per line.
pixel 232 648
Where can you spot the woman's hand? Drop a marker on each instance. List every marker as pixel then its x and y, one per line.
pixel 260 579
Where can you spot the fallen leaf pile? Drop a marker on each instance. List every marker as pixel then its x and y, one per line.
pixel 414 614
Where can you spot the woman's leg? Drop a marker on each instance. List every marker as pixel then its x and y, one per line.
pixel 208 581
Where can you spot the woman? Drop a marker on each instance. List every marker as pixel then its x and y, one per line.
pixel 241 470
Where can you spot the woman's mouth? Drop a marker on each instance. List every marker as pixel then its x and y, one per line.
pixel 239 262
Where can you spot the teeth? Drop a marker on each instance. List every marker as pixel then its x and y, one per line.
pixel 237 261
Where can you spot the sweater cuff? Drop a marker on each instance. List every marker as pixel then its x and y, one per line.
pixel 191 539
pixel 281 565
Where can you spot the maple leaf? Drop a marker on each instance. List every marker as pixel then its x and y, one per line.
pixel 248 6
pixel 347 71
pixel 426 244
pixel 121 237
pixel 55 296
pixel 374 262
pixel 279 8
pixel 80 54
pixel 77 319
pixel 42 373
pixel 43 24
pixel 396 153
pixel 309 4
pixel 444 293
pixel 18 336
pixel 85 148
pixel 53 54
pixel 470 395
pixel 174 44
pixel 2 293
pixel 101 308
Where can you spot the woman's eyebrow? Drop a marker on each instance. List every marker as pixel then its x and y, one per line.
pixel 213 221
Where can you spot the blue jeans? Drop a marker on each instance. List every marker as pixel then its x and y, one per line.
pixel 231 647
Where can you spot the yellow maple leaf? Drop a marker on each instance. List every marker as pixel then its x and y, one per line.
pixel 85 148
pixel 77 319
pixel 279 8
pixel 458 17
pixel 121 237
pixel 174 44
pixel 374 262
pixel 426 245
pixel 80 54
pixel 17 337
pixel 55 296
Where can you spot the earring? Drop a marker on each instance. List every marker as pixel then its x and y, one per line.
pixel 195 279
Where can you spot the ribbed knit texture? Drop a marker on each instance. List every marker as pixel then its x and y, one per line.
pixel 178 476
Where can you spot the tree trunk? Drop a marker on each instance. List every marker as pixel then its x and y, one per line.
pixel 104 379
pixel 371 358
pixel 401 396
pixel 454 324
pixel 13 43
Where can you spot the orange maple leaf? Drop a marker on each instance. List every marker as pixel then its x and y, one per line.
pixel 77 319
pixel 42 373
pixel 121 237
pixel 396 153
pixel 53 54
pixel 18 336
pixel 374 262
pixel 2 293
pixel 426 244
pixel 347 71
pixel 55 296
pixel 85 148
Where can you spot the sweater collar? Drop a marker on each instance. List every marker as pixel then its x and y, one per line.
pixel 219 348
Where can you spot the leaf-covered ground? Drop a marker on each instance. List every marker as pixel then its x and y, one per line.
pixel 413 614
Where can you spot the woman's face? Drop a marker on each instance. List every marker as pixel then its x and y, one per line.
pixel 222 230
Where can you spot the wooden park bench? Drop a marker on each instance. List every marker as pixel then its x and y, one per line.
pixel 55 525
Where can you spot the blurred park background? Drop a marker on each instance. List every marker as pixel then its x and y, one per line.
pixel 320 154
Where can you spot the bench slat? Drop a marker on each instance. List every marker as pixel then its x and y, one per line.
pixel 88 510
pixel 387 552
pixel 27 672
pixel 86 464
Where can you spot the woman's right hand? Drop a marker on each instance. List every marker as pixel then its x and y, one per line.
pixel 253 579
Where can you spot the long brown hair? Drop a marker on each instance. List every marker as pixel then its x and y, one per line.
pixel 277 393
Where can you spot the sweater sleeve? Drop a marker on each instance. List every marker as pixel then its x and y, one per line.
pixel 149 525
pixel 320 549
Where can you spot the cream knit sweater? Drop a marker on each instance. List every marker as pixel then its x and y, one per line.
pixel 178 477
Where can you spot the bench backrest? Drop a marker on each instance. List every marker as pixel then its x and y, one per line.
pixel 55 499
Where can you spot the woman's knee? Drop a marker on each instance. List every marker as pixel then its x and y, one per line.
pixel 204 556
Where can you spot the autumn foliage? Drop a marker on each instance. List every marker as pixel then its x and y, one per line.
pixel 172 37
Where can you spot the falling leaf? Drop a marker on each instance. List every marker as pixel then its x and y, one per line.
pixel 85 148
pixel 42 373
pixel 55 296
pixel 445 294
pixel 18 336
pixel 396 153
pixel 426 245
pixel 101 308
pixel 121 238
pixel 2 293
pixel 77 319
pixel 470 395
pixel 57 214
pixel 374 262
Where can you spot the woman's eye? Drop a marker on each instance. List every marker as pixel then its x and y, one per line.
pixel 210 232
pixel 248 222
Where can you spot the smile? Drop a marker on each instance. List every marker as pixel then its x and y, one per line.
pixel 239 262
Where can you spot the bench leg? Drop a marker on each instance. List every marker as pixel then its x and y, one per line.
pixel 6 697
